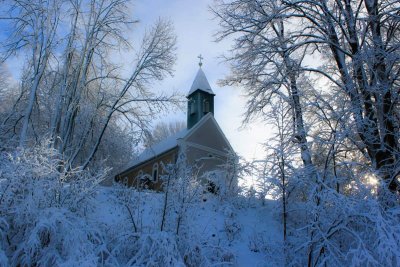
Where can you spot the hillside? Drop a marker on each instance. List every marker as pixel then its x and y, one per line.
pixel 239 232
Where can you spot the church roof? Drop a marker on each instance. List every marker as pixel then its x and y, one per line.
pixel 201 83
pixel 158 148
pixel 170 143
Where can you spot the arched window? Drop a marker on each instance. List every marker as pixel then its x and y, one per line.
pixel 155 172
pixel 206 106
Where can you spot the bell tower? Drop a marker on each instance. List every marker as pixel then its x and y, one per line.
pixel 200 98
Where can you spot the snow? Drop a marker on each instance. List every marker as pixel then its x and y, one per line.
pixel 201 83
pixel 47 222
pixel 209 223
pixel 157 149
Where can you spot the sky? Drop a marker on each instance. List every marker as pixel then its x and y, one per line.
pixel 194 26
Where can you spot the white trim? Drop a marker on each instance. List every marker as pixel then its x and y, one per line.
pixel 222 133
pixel 155 168
pixel 206 148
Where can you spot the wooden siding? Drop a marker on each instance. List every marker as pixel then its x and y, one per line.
pixel 131 176
pixel 204 160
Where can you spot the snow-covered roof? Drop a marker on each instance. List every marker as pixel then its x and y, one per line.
pixel 201 83
pixel 158 148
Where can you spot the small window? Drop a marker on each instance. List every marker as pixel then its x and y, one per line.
pixel 206 106
pixel 155 172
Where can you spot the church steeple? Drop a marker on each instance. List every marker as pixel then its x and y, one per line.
pixel 200 98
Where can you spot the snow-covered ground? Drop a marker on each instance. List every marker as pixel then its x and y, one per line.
pixel 50 218
pixel 48 222
pixel 243 233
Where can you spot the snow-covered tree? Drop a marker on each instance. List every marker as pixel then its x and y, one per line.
pixel 72 89
pixel 335 65
pixel 262 62
pixel 356 44
pixel 182 189
pixel 42 210
pixel 33 27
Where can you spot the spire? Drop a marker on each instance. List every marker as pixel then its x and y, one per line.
pixel 200 98
pixel 201 83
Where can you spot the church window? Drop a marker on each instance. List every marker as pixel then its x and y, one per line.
pixel 206 106
pixel 155 172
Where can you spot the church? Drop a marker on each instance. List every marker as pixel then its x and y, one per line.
pixel 203 143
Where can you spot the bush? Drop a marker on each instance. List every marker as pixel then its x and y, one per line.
pixel 158 249
pixel 42 207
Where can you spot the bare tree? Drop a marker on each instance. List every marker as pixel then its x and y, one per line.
pixel 164 130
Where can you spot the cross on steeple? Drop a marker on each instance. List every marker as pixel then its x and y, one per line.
pixel 200 58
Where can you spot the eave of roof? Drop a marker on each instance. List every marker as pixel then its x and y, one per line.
pixel 148 160
pixel 157 149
